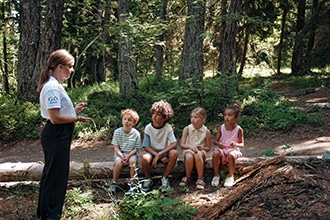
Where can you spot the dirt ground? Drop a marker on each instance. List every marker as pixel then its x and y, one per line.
pixel 277 190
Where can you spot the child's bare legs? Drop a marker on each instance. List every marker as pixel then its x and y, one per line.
pixel 216 158
pixel 232 157
pixel 146 164
pixel 132 165
pixel 172 156
pixel 117 169
pixel 189 164
pixel 199 162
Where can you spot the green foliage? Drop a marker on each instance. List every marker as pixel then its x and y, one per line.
pixel 308 82
pixel 269 110
pixel 269 153
pixel 78 203
pixel 215 100
pixel 152 205
pixel 287 148
pixel 19 120
pixel 262 108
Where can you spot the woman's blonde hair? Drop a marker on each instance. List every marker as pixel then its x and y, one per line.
pixel 56 58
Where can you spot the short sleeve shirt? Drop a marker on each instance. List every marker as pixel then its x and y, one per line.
pixel 126 141
pixel 158 138
pixel 53 95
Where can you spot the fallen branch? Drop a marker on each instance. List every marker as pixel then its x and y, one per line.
pixel 86 170
pixel 269 169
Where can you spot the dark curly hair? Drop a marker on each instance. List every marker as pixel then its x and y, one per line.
pixel 164 108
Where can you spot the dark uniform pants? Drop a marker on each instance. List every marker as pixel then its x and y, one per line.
pixel 56 142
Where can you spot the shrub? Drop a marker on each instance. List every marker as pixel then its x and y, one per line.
pixel 152 205
pixel 19 120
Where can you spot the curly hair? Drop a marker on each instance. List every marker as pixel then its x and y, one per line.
pixel 164 108
pixel 131 113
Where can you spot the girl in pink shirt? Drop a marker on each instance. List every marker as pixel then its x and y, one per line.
pixel 228 141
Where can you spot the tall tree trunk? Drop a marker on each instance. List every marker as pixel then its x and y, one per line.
pixel 245 49
pixel 126 61
pixel 285 7
pixel 33 54
pixel 311 38
pixel 222 28
pixel 297 55
pixel 29 25
pixel 160 47
pixel 97 75
pixel 192 55
pixel 4 61
pixel 227 61
pixel 106 36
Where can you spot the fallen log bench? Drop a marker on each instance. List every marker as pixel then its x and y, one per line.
pixel 90 170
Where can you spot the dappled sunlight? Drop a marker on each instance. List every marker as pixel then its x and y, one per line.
pixel 315 146
pixel 317 100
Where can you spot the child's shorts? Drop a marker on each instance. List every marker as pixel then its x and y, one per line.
pixel 225 152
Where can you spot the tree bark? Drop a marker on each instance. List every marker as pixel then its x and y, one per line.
pixel 126 60
pixel 29 26
pixel 192 55
pixel 5 58
pixel 227 60
pixel 160 47
pixel 297 55
pixel 285 7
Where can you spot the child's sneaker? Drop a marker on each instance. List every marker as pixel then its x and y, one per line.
pixel 184 181
pixel 147 183
pixel 165 184
pixel 215 181
pixel 112 187
pixel 229 182
pixel 132 189
pixel 200 184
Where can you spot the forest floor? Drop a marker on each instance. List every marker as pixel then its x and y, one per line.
pixel 272 189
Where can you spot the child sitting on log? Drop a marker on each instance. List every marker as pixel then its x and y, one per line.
pixel 228 141
pixel 126 140
pixel 195 142
pixel 160 144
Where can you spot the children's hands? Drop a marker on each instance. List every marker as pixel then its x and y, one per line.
pixel 157 157
pixel 233 144
pixel 124 160
pixel 221 145
pixel 164 159
pixel 194 149
pixel 199 147
pixel 155 160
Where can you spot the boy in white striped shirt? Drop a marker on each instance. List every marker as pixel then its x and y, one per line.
pixel 126 140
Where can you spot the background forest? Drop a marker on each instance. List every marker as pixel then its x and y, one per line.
pixel 192 53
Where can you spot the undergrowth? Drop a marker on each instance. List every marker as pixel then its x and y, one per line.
pixel 262 108
pixel 152 205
